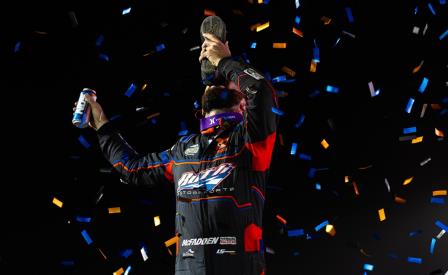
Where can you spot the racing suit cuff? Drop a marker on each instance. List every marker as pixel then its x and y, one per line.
pixel 225 67
pixel 106 129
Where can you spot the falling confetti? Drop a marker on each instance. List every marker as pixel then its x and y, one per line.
pixel 382 214
pixel 57 202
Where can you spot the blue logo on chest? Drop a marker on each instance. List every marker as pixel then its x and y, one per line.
pixel 206 180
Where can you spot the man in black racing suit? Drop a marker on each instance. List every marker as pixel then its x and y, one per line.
pixel 219 175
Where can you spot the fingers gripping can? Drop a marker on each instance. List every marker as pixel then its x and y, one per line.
pixel 81 116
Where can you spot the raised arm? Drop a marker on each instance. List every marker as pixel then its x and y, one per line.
pixel 139 169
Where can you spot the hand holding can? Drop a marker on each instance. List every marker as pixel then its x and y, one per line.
pixel 87 107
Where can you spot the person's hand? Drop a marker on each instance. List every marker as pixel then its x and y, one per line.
pixel 213 49
pixel 97 118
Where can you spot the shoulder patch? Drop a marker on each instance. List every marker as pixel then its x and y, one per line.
pixel 192 150
pixel 253 73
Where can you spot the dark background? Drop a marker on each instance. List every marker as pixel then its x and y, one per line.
pixel 58 56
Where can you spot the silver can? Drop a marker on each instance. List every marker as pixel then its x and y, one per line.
pixel 81 116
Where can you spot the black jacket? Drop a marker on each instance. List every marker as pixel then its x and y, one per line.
pixel 219 181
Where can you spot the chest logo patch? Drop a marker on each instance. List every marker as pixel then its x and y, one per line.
pixel 206 179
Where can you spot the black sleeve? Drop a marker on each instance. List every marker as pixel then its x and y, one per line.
pixel 139 169
pixel 261 121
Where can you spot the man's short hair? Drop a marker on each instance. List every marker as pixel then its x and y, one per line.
pixel 219 97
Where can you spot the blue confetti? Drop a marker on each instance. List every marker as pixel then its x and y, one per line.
pixel 442 36
pixel 415 260
pixel 126 253
pixel 279 79
pixel 126 11
pixel 196 105
pixel 431 247
pixel 368 267
pixel 293 149
pixel 332 89
pixel 348 11
pixel 442 2
pixel 315 93
pixel 318 187
pixel 423 85
pixel 312 172
pixel 132 88
pixel 297 20
pixel 409 106
pixel 104 57
pixel 17 46
pixel 83 219
pixel 115 117
pixel 68 263
pixel 154 121
pixel 277 111
pixel 86 237
pixel 415 233
pixel 435 200
pixel 304 156
pixel 431 8
pixel 296 233
pixel 415 10
pixel 316 57
pixel 441 225
pixel 320 226
pixel 126 272
pixel 409 130
pixel 160 47
pixel 99 40
pixel 253 45
pixel 300 121
pixel 393 256
pixel 84 142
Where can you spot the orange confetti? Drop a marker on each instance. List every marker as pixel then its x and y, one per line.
pixel 408 180
pixel 346 179
pixel 119 271
pixel 261 27
pixel 153 115
pixel 439 133
pixel 260 1
pixel 382 214
pixel 144 86
pixel 57 202
pixel 436 106
pixel 288 71
pixel 326 20
pixel 313 66
pixel 282 220
pixel 208 12
pixel 330 230
pixel 399 200
pixel 439 193
pixel 355 186
pixel 416 69
pixel 170 242
pixel 297 32
pixel 417 140
pixel 279 45
pixel 114 210
pixel 324 144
